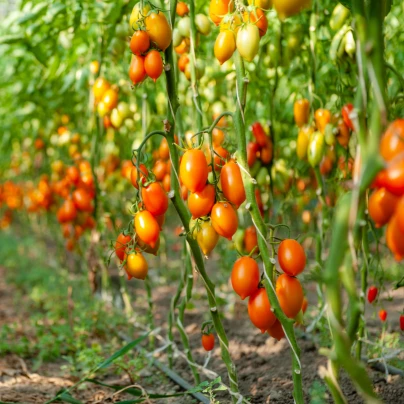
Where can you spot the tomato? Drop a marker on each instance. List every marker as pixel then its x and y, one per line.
pixel 100 87
pixel 159 170
pixel 393 179
pixel 183 62
pixel 290 295
pixel 220 157
pixel 136 266
pixel 264 4
pixel 303 139
pixel 183 47
pixel 147 228
pixel 224 219
pixel 137 72
pixel 110 99
pixel 346 113
pixel 266 154
pixel 259 310
pixel 70 244
pixel 94 67
pixel 194 170
pixel 143 175
pixel 292 257
pixel 217 136
pixel 208 342
pixel 116 118
pixel 230 22
pixel 248 40
pixel 301 112
pixel 167 182
pixel 232 183
pixel 395 239
pixel 259 134
pixel 288 8
pixel 201 203
pixel 315 150
pixel 383 315
pixel 73 174
pixel 392 141
pixel 184 27
pixel 153 64
pixel 305 304
pixel 382 205
pixel 67 212
pixel 202 24
pixel 252 152
pixel 164 150
pixel 402 322
pixel 137 14
pixel 400 214
pixel 159 30
pixel 124 109
pixel 276 330
pixel 245 277
pixel 139 43
pixel 372 294
pixel 182 9
pixel 225 46
pixel 219 8
pixel 322 118
pixel 206 237
pixel 107 122
pixel 145 248
pixel 82 200
pixel 250 239
pixel 258 18
pixel 343 135
pixel 155 199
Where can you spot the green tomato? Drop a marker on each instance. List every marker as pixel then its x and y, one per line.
pixel 248 40
pixel 123 109
pixel 316 149
pixel 130 124
pixel 329 135
pixel 177 38
pixel 184 27
pixel 137 14
pixel 203 24
pixel 116 118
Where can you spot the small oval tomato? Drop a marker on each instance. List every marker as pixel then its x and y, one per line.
pixel 301 112
pixel 393 180
pixel 372 294
pixel 153 64
pixel 67 212
pixel 158 29
pixel 305 304
pixel 202 24
pixel 402 322
pixel 232 183
pixel 139 43
pixel 155 199
pixel 252 152
pixel 220 157
pixel 143 175
pixel 224 219
pixel 322 118
pixel 290 295
pixel 121 244
pixel 206 237
pixel 136 266
pixel 247 42
pixel 346 115
pixel 292 257
pixel 392 141
pixel 245 277
pixel 194 170
pixel 208 342
pixel 73 174
pixel 343 135
pixel 164 150
pixel 201 203
pixel 383 315
pixel 219 8
pixel 266 154
pixel 110 99
pixel 395 239
pixel 82 200
pixel 258 18
pixel 382 205
pixel 303 140
pixel 276 330
pixel 225 46
pixel 182 9
pixel 217 137
pixel 100 87
pixel 315 150
pixel 183 62
pixel 137 72
pixel 259 310
pixel 250 239
pixel 159 170
pixel 167 182
pixel 259 134
pixel 147 228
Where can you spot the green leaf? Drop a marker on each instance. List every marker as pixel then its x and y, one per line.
pixel 68 398
pixel 10 39
pixel 36 12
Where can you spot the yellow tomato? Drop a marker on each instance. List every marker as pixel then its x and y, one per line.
pixel 225 46
pixel 159 30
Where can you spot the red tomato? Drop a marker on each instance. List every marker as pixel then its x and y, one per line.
pixel 121 244
pixel 147 228
pixel 292 257
pixel 381 206
pixel 155 199
pixel 73 174
pixel 392 141
pixel 259 310
pixel 346 115
pixel 201 203
pixel 208 342
pixel 194 170
pixel 250 239
pixel 290 295
pixel 232 183
pixel 252 151
pixel 224 219
pixel 372 294
pixel 137 72
pixel 245 277
pixel 276 330
pixel 259 134
pixel 67 212
pixel 139 43
pixel 82 200
pixel 402 322
pixel 153 64
pixel 383 315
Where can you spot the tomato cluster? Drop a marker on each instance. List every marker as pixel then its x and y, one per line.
pixel 11 197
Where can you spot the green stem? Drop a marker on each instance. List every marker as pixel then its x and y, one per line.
pixel 150 321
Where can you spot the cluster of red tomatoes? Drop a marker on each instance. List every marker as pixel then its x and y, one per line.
pixel 245 279
pixel 152 35
pixel 260 150
pixel 386 203
pixel 76 187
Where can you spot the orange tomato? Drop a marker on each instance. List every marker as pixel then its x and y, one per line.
pixel 259 310
pixel 232 183
pixel 82 200
pixel 147 228
pixel 224 219
pixel 258 18
pixel 143 175
pixel 381 206
pixel 164 150
pixel 245 277
pixel 110 99
pixel 392 141
pixel 194 170
pixel 322 118
pixel 250 239
pixel 290 295
pixel 158 29
pixel 219 8
pixel 153 64
pixel 182 62
pixel 100 87
pixel 137 72
pixel 159 170
pixel 155 199
pixel 136 266
pixel 139 43
pixel 67 212
pixel 301 112
pixel 395 239
pixel 182 9
pixel 217 136
pixel 292 257
pixel 276 330
pixel 201 203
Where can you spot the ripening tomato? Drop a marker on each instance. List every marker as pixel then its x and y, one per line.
pixel 276 330
pixel 67 212
pixel 182 62
pixel 322 118
pixel 153 64
pixel 159 30
pixel 220 157
pixel 136 266
pixel 395 239
pixel 400 214
pixel 259 310
pixel 110 99
pixel 143 175
pixel 292 257
pixel 383 315
pixel 250 239
pixel 346 115
pixel 393 179
pixel 305 304
pixel 219 8
pixel 73 174
pixel 206 237
pixel 258 18
pixel 225 46
pixel 288 8
pixel 266 154
pixel 164 150
pixel 301 112
pixel 290 295
pixel 315 151
pixel 402 322
pixel 137 72
pixel 194 170
pixel 392 141
pixel 167 182
pixel 147 228
pixel 82 200
pixel 372 294
pixel 217 137
pixel 94 66
pixel 155 199
pixel 382 205
pixel 139 43
pixel 343 135
pixel 259 134
pixel 159 170
pixel 201 203
pixel 100 87
pixel 248 41
pixel 264 4
pixel 245 277
pixel 182 9
pixel 137 14
pixel 232 183
pixel 224 219
pixel 252 151
pixel 208 342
